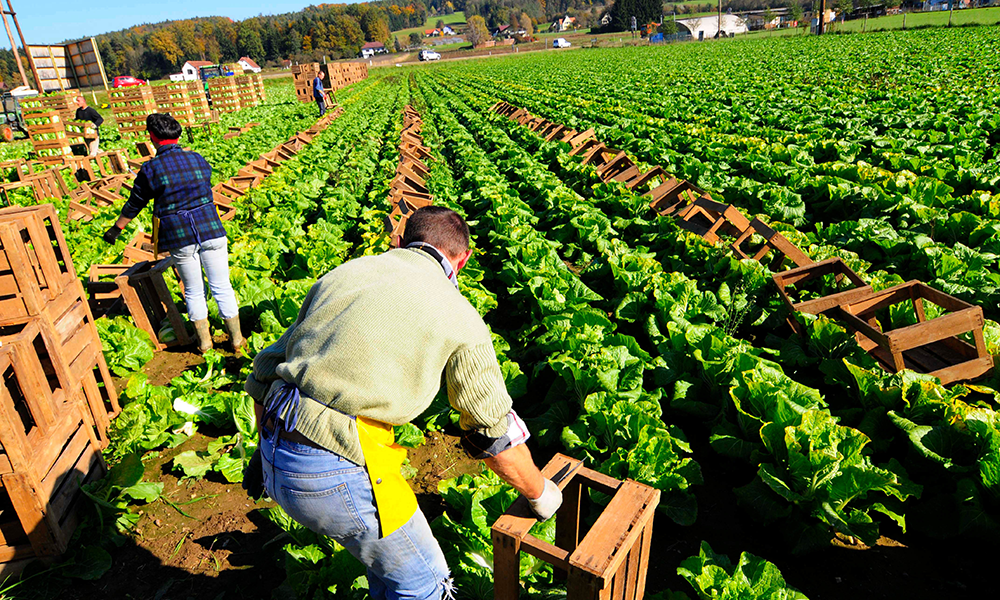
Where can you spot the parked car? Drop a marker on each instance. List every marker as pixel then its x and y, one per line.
pixel 429 55
pixel 126 81
pixel 560 43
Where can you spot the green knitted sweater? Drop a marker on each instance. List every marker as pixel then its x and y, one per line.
pixel 372 339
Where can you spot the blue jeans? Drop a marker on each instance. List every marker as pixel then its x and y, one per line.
pixel 213 257
pixel 322 106
pixel 333 496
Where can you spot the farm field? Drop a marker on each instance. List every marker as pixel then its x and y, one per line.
pixel 625 339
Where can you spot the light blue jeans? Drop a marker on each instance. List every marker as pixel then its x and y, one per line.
pixel 333 496
pixel 213 257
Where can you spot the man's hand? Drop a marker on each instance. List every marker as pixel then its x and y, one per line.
pixel 516 467
pixel 112 234
pixel 548 503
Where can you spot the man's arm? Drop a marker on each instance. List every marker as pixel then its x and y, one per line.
pixel 476 389
pixel 516 467
pixel 141 194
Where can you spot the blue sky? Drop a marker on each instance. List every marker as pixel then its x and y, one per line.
pixel 52 21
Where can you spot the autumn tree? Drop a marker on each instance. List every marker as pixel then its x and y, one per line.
pixel 477 32
pixel 526 25
pixel 415 39
pixel 346 34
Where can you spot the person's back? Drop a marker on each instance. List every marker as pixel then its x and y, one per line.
pixel 372 339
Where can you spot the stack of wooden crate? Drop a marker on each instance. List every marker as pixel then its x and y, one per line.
pixel 198 101
pixel 258 83
pixel 246 89
pixel 62 103
pixel 49 137
pixel 304 75
pixel 173 98
pixel 341 75
pixel 408 189
pixel 56 394
pixel 224 95
pixel 131 106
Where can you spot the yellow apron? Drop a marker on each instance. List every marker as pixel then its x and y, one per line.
pixel 156 237
pixel 394 499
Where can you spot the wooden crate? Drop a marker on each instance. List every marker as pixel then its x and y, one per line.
pixel 929 346
pixel 61 103
pixel 223 94
pixel 710 219
pixel 148 300
pixel 834 272
pixel 608 562
pixel 772 242
pixel 672 196
pixel 140 248
pixel 131 106
pixel 41 468
pixel 30 274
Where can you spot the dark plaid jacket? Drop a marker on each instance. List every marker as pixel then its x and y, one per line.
pixel 180 184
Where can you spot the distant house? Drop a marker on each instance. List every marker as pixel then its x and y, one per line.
pixel 447 30
pixel 249 65
pixel 564 23
pixel 502 31
pixel 432 32
pixel 286 64
pixel 190 70
pixel 177 77
pixel 372 48
pixel 606 19
pixel 702 28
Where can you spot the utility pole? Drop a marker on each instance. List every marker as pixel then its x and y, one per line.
pixel 10 11
pixel 820 26
pixel 719 34
pixel 951 10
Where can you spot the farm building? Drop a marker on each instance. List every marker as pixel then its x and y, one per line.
pixel 191 67
pixel 372 48
pixel 702 28
pixel 249 65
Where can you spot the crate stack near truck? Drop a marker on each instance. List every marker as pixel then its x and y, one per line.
pixel 246 89
pixel 223 94
pixel 198 100
pixel 62 103
pixel 131 105
pixel 173 98
pixel 56 393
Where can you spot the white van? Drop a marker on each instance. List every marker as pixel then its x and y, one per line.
pixel 429 55
pixel 560 43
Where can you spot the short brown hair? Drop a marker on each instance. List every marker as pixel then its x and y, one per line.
pixel 440 227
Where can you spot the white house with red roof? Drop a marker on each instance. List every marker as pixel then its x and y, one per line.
pixel 249 65
pixel 372 48
pixel 190 70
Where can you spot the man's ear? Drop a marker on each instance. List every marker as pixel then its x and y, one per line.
pixel 464 258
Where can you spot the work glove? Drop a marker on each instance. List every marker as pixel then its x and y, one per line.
pixel 548 503
pixel 253 477
pixel 112 234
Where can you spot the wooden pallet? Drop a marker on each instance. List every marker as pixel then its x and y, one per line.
pixel 838 274
pixel 608 562
pixel 148 300
pixel 773 242
pixel 931 346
